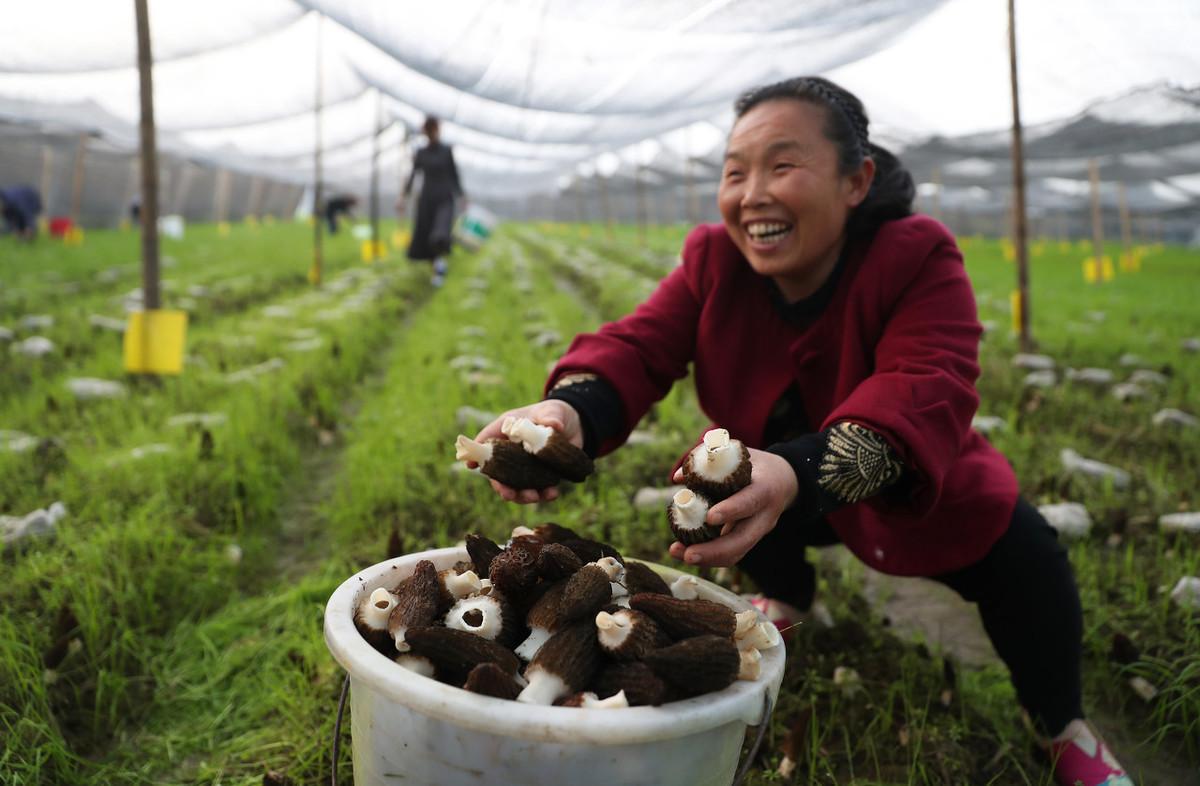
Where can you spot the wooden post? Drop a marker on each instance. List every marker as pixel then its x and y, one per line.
pixel 318 200
pixel 221 196
pixel 1097 216
pixel 606 206
pixel 1018 155
pixel 131 186
pixel 186 173
pixel 47 178
pixel 375 173
pixel 149 150
pixel 255 199
pixel 1126 228
pixel 937 193
pixel 693 202
pixel 641 205
pixel 77 179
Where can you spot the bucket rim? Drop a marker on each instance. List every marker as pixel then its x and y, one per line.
pixel 741 702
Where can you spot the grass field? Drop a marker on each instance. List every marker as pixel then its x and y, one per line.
pixel 170 631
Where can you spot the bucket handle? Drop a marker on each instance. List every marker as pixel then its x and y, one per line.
pixel 758 738
pixel 737 780
pixel 337 730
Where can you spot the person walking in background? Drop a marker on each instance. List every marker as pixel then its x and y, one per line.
pixel 340 205
pixel 20 206
pixel 835 334
pixel 440 187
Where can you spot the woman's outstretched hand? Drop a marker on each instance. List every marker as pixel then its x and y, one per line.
pixel 558 415
pixel 747 516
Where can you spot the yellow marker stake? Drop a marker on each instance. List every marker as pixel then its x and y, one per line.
pixel 73 237
pixel 1014 300
pixel 372 251
pixel 223 229
pixel 154 342
pixel 1091 271
pixel 1107 273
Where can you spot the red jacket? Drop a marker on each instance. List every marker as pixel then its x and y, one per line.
pixel 895 350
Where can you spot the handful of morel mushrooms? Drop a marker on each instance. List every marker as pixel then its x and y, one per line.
pixel 717 468
pixel 591 629
pixel 529 456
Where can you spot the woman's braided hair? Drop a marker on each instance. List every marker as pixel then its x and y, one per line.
pixel 892 191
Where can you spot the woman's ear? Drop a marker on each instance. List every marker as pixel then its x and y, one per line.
pixel 858 184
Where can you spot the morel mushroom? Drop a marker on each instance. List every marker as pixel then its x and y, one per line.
pixel 507 462
pixel 550 447
pixel 718 467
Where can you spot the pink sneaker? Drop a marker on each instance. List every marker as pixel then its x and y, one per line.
pixel 1082 759
pixel 782 615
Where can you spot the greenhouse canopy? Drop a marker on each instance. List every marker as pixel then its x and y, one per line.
pixel 546 96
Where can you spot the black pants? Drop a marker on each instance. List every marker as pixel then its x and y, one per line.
pixel 1024 588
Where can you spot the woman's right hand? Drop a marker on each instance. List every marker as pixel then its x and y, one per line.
pixel 558 415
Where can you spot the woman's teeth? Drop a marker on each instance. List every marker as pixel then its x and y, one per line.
pixel 768 231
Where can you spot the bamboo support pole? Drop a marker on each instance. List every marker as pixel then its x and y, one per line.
pixel 149 155
pixel 1018 154
pixel 1126 228
pixel 1097 215
pixel 77 179
pixel 375 174
pixel 318 196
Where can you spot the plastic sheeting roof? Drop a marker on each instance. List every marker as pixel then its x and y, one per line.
pixel 536 92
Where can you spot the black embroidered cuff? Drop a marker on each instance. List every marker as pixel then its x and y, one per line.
pixel 601 412
pixel 846 463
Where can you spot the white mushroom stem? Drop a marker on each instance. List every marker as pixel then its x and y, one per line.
pixel 460 585
pixel 544 687
pixel 467 449
pixel 746 620
pixel 490 617
pixel 532 436
pixel 528 648
pixel 614 569
pixel 690 509
pixel 686 588
pixel 718 457
pixel 416 664
pixel 762 636
pixel 750 666
pixel 522 530
pixel 593 702
pixel 399 636
pixel 612 629
pixel 378 607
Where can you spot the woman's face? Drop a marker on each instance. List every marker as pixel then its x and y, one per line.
pixel 782 198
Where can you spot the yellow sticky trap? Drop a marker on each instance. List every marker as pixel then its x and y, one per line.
pixel 154 342
pixel 1091 271
pixel 585 231
pixel 1039 248
pixel 1006 248
pixel 1107 273
pixel 73 237
pixel 124 226
pixel 1064 246
pixel 250 220
pixel 1014 301
pixel 314 274
pixel 400 238
pixel 269 219
pixel 372 251
pixel 223 229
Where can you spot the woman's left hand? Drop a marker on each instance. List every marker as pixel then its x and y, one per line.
pixel 747 516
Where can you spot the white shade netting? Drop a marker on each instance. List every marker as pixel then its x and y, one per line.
pixel 546 96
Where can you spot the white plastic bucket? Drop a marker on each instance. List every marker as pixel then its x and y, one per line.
pixel 408 729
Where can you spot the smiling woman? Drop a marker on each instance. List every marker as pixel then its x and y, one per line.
pixel 834 334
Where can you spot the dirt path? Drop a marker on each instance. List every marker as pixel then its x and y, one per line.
pixel 923 610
